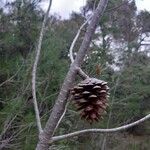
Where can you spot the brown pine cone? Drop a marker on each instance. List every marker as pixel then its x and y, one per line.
pixel 91 98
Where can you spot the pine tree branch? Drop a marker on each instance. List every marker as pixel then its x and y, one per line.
pixel 34 71
pixel 111 130
pixel 61 117
pixel 75 40
pixel 61 101
pixel 81 73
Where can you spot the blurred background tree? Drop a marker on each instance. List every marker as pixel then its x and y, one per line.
pixel 119 53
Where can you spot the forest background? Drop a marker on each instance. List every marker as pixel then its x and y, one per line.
pixel 119 54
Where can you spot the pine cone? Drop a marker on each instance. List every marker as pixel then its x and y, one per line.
pixel 90 96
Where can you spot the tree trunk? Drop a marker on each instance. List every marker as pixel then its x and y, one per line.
pixel 61 101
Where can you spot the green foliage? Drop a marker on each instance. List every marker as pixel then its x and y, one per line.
pixel 19 28
pixel 129 81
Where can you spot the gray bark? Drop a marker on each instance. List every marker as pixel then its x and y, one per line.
pixel 61 101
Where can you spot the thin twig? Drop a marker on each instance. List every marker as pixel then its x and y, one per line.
pixel 8 80
pixel 38 50
pixel 80 71
pixel 111 130
pixel 61 117
pixel 82 74
pixel 75 40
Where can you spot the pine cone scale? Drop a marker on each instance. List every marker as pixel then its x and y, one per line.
pixel 90 96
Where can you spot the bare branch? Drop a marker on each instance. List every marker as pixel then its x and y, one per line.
pixel 80 71
pixel 82 74
pixel 61 101
pixel 38 50
pixel 75 40
pixel 61 117
pixel 111 130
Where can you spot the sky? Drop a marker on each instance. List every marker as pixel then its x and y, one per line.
pixel 143 4
pixel 65 7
